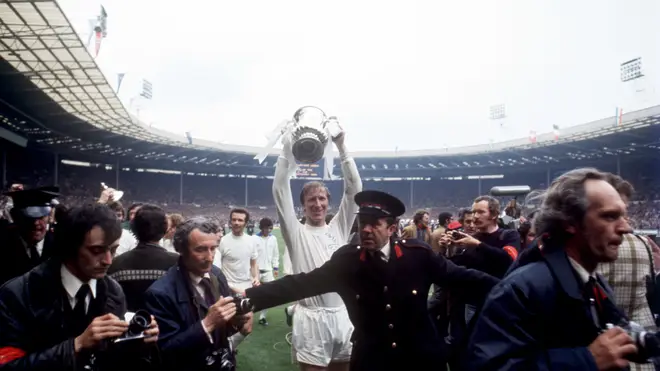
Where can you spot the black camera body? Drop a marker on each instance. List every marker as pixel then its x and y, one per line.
pixel 243 304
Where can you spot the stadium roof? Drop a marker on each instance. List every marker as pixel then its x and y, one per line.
pixel 54 95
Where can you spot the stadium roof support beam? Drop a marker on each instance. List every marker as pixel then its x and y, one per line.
pixel 37 39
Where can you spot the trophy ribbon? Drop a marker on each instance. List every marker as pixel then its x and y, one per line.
pixel 273 137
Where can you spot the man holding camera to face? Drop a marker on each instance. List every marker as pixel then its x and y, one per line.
pixel 194 306
pixel 66 313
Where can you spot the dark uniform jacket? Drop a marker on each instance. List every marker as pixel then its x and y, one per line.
pixel 34 317
pixel 14 258
pixel 386 302
pixel 179 311
pixel 137 269
pixel 538 318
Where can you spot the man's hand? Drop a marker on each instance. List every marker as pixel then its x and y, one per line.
pixel 610 349
pixel 152 332
pixel 107 195
pixel 246 329
pixel 445 240
pixel 220 313
pixel 256 282
pixel 244 323
pixel 274 273
pixel 467 240
pixel 104 327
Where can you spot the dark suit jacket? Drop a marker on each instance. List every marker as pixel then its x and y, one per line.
pixel 32 318
pixel 14 259
pixel 182 340
pixel 387 304
pixel 538 318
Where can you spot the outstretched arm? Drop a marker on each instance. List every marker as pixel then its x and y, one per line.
pixel 352 185
pixel 285 168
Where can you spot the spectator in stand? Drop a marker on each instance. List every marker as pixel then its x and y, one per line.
pixel 173 221
pixel 443 220
pixel 419 229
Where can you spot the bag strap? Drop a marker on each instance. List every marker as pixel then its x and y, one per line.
pixel 648 251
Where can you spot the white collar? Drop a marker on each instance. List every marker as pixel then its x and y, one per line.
pixel 72 283
pixel 386 251
pixel 197 279
pixel 582 273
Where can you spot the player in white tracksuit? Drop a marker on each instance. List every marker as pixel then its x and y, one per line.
pixel 321 326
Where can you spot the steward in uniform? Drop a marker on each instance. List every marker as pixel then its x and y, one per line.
pixel 384 284
pixel 28 241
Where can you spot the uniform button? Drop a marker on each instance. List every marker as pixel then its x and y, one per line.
pixel 390 326
pixel 438 318
pixel 403 241
pixel 388 307
pixel 357 296
pixel 414 292
pixel 385 289
pixel 393 345
pixel 358 247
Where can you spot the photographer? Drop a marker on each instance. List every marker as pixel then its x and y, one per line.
pixel 64 314
pixel 194 306
pixel 553 313
pixel 491 249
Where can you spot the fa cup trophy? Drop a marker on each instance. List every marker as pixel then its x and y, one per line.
pixel 310 131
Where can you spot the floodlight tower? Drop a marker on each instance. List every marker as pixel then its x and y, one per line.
pixel 498 118
pixel 634 81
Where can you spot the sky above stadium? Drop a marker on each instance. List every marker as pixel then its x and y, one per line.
pixel 398 74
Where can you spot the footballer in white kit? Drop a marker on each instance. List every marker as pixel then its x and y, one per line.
pixel 321 327
pixel 237 253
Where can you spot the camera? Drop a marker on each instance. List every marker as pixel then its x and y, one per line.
pixel 456 235
pixel 647 343
pixel 224 357
pixel 243 304
pixel 137 325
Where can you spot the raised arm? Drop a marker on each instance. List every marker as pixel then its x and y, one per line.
pixel 352 184
pixel 285 168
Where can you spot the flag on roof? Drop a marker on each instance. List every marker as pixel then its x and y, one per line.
pixel 555 130
pixel 532 136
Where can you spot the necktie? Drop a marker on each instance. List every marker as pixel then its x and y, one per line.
pixel 80 309
pixel 34 255
pixel 596 297
pixel 208 291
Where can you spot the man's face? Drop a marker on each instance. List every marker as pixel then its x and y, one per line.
pixel 201 251
pixel 316 205
pixel 34 230
pixel 468 223
pixel 425 220
pixel 95 255
pixel 266 231
pixel 605 222
pixel 238 221
pixel 374 232
pixel 170 230
pixel 481 215
pixel 120 215
pixel 132 213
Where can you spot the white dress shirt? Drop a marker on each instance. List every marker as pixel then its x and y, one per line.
pixel 72 284
pixel 581 272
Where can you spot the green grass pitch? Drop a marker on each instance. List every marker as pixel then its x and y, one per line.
pixel 266 349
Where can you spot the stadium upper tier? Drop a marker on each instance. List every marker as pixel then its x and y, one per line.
pixel 54 96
